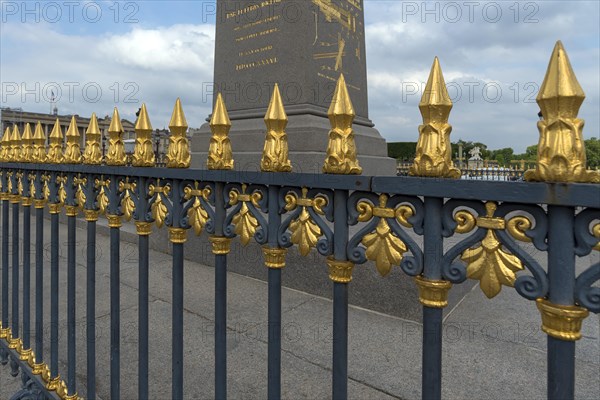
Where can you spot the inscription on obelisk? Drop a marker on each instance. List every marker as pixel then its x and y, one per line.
pixel 303 45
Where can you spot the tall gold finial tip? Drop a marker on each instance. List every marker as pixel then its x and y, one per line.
pixel 341 104
pixel 220 116
pixel 276 110
pixel 115 123
pixel 143 122
pixel 178 117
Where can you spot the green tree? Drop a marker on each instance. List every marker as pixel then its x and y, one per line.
pixel 531 152
pixel 503 156
pixel 402 151
pixel 592 152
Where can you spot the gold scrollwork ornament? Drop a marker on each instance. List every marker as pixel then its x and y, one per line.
pixel 488 262
pixel 197 215
pixel 382 246
pixel 244 222
pixel 304 231
pixel 159 209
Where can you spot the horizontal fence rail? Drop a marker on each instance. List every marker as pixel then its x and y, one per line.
pixel 347 218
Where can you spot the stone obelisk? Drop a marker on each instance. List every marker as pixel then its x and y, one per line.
pixel 303 46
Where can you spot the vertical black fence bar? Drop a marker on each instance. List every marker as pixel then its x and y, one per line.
pixel 26 200
pixel 114 223
pixel 220 248
pixel 561 276
pixel 71 211
pixel 4 257
pixel 275 261
pixel 15 200
pixel 432 313
pixel 144 229
pixel 340 272
pixel 54 208
pixel 39 205
pixel 91 216
pixel 177 236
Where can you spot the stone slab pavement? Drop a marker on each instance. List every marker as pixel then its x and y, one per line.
pixel 493 349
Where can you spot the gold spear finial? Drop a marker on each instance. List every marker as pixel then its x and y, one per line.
pixel 73 147
pixel 93 154
pixel 16 145
pixel 561 148
pixel 27 144
pixel 341 150
pixel 116 147
pixel 39 144
pixel 220 155
pixel 275 153
pixel 178 153
pixel 7 139
pixel 5 143
pixel 55 150
pixel 143 155
pixel 434 151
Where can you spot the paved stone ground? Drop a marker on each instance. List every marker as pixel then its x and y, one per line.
pixel 493 349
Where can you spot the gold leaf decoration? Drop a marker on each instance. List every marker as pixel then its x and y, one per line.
pixel 62 193
pixel 305 233
pixel 382 246
pixel 102 198
pixel 159 211
pixel 31 186
pixel 127 206
pixel 491 265
pixel 46 190
pixel 20 184
pixel 80 196
pixel 245 224
pixel 197 216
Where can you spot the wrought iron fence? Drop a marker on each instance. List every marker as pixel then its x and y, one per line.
pixel 347 218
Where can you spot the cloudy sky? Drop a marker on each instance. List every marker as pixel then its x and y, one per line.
pixel 97 54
